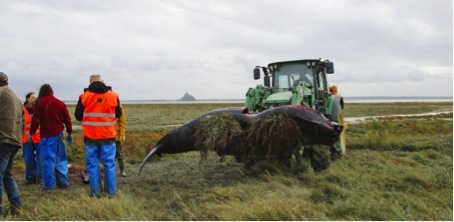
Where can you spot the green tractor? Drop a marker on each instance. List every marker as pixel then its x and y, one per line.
pixel 302 82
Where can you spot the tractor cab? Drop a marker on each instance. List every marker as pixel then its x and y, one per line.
pixel 300 82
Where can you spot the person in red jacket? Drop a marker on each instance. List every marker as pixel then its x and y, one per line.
pixel 30 148
pixel 52 115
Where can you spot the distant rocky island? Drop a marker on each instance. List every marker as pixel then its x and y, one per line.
pixel 187 97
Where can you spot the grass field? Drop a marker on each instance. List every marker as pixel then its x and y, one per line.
pixel 395 169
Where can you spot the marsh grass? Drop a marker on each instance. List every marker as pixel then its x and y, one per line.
pixel 393 170
pixel 262 139
pixel 220 133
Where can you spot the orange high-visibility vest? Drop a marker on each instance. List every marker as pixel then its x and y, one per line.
pixel 26 130
pixel 99 121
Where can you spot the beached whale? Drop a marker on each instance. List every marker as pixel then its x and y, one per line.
pixel 297 125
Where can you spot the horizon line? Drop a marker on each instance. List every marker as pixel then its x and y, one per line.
pixel 347 97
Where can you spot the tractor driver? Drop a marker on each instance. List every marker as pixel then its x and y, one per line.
pixel 302 78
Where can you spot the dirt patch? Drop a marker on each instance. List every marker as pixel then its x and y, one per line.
pixel 209 172
pixel 74 174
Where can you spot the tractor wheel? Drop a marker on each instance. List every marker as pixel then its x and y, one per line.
pixel 339 148
pixel 319 156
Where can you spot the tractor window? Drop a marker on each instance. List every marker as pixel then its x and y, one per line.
pixel 308 78
pixel 283 82
pixel 295 79
pixel 321 81
pixel 288 74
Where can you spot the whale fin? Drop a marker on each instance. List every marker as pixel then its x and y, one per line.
pixel 153 151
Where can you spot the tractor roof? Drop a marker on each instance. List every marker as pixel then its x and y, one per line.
pixel 296 61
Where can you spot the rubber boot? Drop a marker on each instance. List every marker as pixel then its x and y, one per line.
pixel 122 167
pixel 119 156
pixel 85 177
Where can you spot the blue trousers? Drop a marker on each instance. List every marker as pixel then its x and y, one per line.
pixel 54 160
pixel 32 161
pixel 7 154
pixel 106 153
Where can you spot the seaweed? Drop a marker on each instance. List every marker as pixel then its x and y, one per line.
pixel 274 136
pixel 220 133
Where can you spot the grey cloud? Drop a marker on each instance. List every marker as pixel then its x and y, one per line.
pixel 161 49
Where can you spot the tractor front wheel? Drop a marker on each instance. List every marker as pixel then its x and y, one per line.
pixel 319 156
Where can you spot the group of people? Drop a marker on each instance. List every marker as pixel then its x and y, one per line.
pixel 38 128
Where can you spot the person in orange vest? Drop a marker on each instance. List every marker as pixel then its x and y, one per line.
pixel 52 116
pixel 30 146
pixel 120 138
pixel 98 109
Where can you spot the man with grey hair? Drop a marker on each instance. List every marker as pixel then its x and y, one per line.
pixel 95 78
pixel 120 137
pixel 98 109
pixel 10 142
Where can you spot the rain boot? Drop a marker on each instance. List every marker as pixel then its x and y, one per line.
pixel 119 155
pixel 122 167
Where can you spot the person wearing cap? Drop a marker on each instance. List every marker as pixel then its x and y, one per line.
pixel 30 145
pixel 11 123
pixel 52 115
pixel 98 108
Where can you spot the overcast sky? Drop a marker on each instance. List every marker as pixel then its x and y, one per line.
pixel 162 49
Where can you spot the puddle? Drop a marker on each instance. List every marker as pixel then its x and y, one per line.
pixel 357 120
